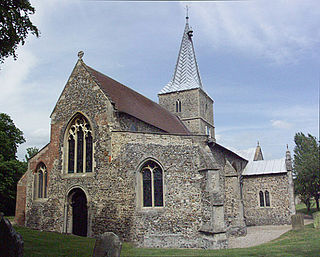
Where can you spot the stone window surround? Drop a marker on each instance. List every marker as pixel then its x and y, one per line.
pixel 64 149
pixel 139 188
pixel 178 105
pixel 41 167
pixel 264 198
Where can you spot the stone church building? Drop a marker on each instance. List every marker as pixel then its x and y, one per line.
pixel 151 173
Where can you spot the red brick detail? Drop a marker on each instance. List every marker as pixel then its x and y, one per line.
pixel 21 201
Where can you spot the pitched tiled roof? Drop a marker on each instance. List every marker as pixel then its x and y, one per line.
pixel 129 101
pixel 186 74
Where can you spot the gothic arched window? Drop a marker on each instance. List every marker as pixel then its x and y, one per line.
pixel 261 197
pixel 152 185
pixel 79 146
pixel 40 181
pixel 178 106
pixel 267 198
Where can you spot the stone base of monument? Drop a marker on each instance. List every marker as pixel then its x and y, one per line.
pixel 11 242
pixel 316 220
pixel 297 221
pixel 107 245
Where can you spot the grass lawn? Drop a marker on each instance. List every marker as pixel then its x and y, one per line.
pixel 293 243
pixel 302 208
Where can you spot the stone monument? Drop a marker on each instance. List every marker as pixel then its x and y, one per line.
pixel 107 245
pixel 11 242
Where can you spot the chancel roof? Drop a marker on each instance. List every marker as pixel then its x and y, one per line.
pixel 129 101
pixel 186 74
pixel 258 166
pixel 265 167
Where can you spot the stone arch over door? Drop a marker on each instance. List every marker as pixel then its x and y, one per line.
pixel 77 212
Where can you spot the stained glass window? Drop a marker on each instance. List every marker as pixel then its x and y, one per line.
pixel 40 188
pixel 45 184
pixel 89 153
pixel 80 150
pixel 267 197
pixel 261 199
pixel 147 194
pixel 152 183
pixel 41 180
pixel 158 187
pixel 80 146
pixel 71 155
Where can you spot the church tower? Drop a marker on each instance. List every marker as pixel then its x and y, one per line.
pixel 184 95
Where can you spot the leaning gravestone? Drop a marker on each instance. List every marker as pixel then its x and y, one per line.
pixel 297 221
pixel 11 242
pixel 107 245
pixel 316 219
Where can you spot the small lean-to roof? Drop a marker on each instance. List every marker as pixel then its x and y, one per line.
pixel 129 101
pixel 265 167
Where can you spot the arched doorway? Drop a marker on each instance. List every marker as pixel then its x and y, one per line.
pixel 78 202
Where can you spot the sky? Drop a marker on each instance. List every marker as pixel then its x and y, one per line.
pixel 258 60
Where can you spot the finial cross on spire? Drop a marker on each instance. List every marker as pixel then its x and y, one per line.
pixel 187 12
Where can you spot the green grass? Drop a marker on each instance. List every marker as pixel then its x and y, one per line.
pixel 38 243
pixel 302 208
pixel 292 243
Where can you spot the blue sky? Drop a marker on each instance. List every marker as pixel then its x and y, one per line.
pixel 258 60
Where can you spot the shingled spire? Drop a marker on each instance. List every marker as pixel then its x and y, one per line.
pixel 186 74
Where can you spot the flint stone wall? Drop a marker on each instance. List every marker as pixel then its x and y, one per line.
pixel 196 109
pixel 112 189
pixel 279 212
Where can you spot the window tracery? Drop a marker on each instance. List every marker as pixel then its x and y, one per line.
pixel 40 182
pixel 152 185
pixel 80 146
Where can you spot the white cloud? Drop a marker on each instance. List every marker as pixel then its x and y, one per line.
pixel 281 31
pixel 281 124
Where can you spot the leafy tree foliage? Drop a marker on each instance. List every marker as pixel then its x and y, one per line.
pixel 10 173
pixel 14 26
pixel 10 137
pixel 307 168
pixel 11 169
pixel 31 151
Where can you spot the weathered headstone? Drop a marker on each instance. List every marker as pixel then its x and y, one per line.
pixel 11 242
pixel 297 221
pixel 316 219
pixel 107 245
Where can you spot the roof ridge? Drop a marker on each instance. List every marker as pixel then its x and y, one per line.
pixel 129 101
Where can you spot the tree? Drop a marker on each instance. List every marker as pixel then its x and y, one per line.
pixel 15 25
pixel 11 169
pixel 10 137
pixel 31 151
pixel 307 168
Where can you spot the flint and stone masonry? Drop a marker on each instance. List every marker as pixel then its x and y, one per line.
pixel 108 144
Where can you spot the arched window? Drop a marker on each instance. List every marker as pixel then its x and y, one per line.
pixel 178 106
pixel 40 181
pixel 261 197
pixel 267 198
pixel 152 185
pixel 79 146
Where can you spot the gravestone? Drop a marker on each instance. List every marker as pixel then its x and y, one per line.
pixel 107 245
pixel 297 221
pixel 11 242
pixel 316 219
